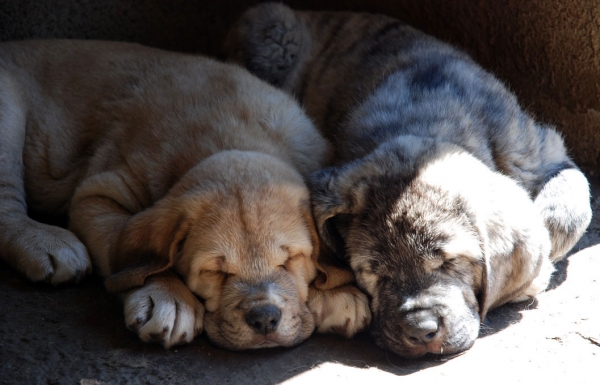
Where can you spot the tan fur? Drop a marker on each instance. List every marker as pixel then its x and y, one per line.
pixel 171 168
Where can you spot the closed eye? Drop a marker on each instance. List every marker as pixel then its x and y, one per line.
pixel 214 265
pixel 450 262
pixel 434 262
pixel 215 273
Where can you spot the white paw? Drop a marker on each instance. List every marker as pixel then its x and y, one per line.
pixel 344 310
pixel 165 311
pixel 48 253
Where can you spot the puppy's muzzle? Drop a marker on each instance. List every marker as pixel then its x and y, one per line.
pixel 439 320
pixel 263 319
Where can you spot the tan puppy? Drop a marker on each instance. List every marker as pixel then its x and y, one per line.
pixel 179 176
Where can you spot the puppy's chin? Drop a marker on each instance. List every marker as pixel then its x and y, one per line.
pixel 233 335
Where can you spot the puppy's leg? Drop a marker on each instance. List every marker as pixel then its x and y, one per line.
pixel 343 310
pixel 564 202
pixel 41 252
pixel 564 196
pixel 270 41
pixel 100 209
pixel 536 157
pixel 164 310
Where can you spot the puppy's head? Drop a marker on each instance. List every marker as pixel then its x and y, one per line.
pixel 241 235
pixel 424 228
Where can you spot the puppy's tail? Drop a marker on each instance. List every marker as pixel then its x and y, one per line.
pixel 271 41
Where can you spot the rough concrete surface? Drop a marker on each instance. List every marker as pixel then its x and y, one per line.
pixel 547 52
pixel 76 335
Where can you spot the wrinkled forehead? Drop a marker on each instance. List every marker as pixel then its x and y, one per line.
pixel 252 227
pixel 416 229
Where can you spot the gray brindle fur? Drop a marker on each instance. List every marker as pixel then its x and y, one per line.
pixel 445 197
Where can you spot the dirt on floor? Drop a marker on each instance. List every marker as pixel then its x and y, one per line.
pixel 77 335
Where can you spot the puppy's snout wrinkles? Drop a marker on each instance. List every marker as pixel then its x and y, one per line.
pixel 263 319
pixel 421 327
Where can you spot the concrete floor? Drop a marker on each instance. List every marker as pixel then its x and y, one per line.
pixel 76 335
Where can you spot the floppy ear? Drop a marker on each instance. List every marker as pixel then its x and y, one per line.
pixel 335 198
pixel 330 272
pixel 516 264
pixel 148 245
pixel 518 276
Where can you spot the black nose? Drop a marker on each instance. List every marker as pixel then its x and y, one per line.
pixel 263 319
pixel 421 327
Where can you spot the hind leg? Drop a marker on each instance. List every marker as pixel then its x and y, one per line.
pixel 41 252
pixel 564 202
pixel 538 159
pixel 563 198
pixel 271 42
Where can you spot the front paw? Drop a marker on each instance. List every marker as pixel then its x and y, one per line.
pixel 46 253
pixel 343 310
pixel 164 310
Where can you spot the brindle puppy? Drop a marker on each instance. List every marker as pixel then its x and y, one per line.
pixel 446 198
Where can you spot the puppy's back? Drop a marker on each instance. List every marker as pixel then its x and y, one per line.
pixel 90 102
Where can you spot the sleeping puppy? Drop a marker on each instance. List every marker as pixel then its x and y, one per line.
pixel 182 180
pixel 445 197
